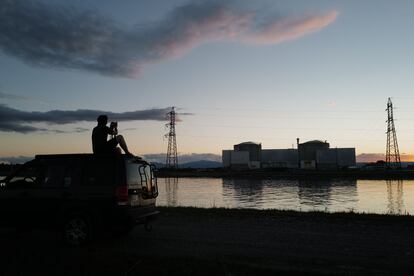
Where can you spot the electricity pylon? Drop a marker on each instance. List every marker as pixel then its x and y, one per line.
pixel 392 157
pixel 172 159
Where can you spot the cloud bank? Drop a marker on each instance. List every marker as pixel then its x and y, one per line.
pixel 14 120
pixel 63 37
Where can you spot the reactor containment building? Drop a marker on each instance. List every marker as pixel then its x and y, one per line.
pixel 315 154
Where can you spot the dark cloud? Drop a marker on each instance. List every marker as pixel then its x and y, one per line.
pixel 16 127
pixel 58 131
pixel 64 37
pixel 21 121
pixel 184 113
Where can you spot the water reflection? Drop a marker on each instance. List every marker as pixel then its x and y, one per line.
pixel 198 192
pixel 245 190
pixel 260 193
pixel 291 194
pixel 315 193
pixel 395 196
pixel 171 189
pixel 370 196
pixel 324 193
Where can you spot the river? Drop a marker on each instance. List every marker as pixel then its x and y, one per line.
pixel 361 196
pixel 368 196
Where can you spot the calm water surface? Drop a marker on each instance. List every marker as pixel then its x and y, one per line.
pixel 369 196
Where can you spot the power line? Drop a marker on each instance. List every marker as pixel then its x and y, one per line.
pixel 285 117
pixel 284 110
pixel 284 128
pixel 277 138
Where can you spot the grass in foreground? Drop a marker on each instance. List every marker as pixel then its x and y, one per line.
pixel 230 212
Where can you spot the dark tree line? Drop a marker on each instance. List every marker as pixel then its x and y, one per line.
pixel 8 168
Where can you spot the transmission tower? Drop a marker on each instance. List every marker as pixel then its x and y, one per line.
pixel 392 157
pixel 172 159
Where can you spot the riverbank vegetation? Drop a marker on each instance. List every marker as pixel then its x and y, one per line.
pixel 245 213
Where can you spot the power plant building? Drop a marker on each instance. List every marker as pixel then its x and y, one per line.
pixel 280 158
pixel 336 158
pixel 244 156
pixel 312 155
pixel 308 153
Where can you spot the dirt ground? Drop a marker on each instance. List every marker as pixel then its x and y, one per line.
pixel 188 241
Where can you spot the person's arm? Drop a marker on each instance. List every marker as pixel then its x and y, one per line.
pixel 109 131
pixel 114 128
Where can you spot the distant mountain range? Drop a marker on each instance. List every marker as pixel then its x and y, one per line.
pixel 201 164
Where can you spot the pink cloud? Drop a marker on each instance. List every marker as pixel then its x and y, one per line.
pixel 226 24
pixel 291 28
pixel 218 25
pixel 44 34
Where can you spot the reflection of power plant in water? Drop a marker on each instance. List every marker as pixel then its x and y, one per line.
pixel 395 196
pixel 311 193
pixel 171 188
pixel 320 192
pixel 315 192
pixel 248 189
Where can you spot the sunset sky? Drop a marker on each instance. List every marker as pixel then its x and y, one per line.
pixel 266 71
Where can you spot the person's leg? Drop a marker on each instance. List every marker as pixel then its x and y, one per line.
pixel 111 146
pixel 123 144
pixel 117 151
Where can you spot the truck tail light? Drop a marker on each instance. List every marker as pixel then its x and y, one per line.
pixel 121 194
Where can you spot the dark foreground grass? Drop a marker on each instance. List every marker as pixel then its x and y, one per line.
pixel 249 213
pixel 220 241
pixel 193 266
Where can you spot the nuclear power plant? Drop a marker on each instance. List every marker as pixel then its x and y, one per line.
pixel 312 155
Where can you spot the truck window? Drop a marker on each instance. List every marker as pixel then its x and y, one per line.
pixel 57 176
pixel 133 177
pixel 31 175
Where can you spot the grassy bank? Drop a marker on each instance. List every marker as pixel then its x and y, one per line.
pixel 291 242
pixel 220 241
pixel 254 213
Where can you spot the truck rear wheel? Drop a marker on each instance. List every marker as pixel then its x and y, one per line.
pixel 77 230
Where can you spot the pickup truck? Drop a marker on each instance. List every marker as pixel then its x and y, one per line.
pixel 80 194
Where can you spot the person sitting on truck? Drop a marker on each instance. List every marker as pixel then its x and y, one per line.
pixel 100 142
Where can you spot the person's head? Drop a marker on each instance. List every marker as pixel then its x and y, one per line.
pixel 102 120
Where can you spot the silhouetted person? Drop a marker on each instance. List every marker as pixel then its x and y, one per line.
pixel 100 142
